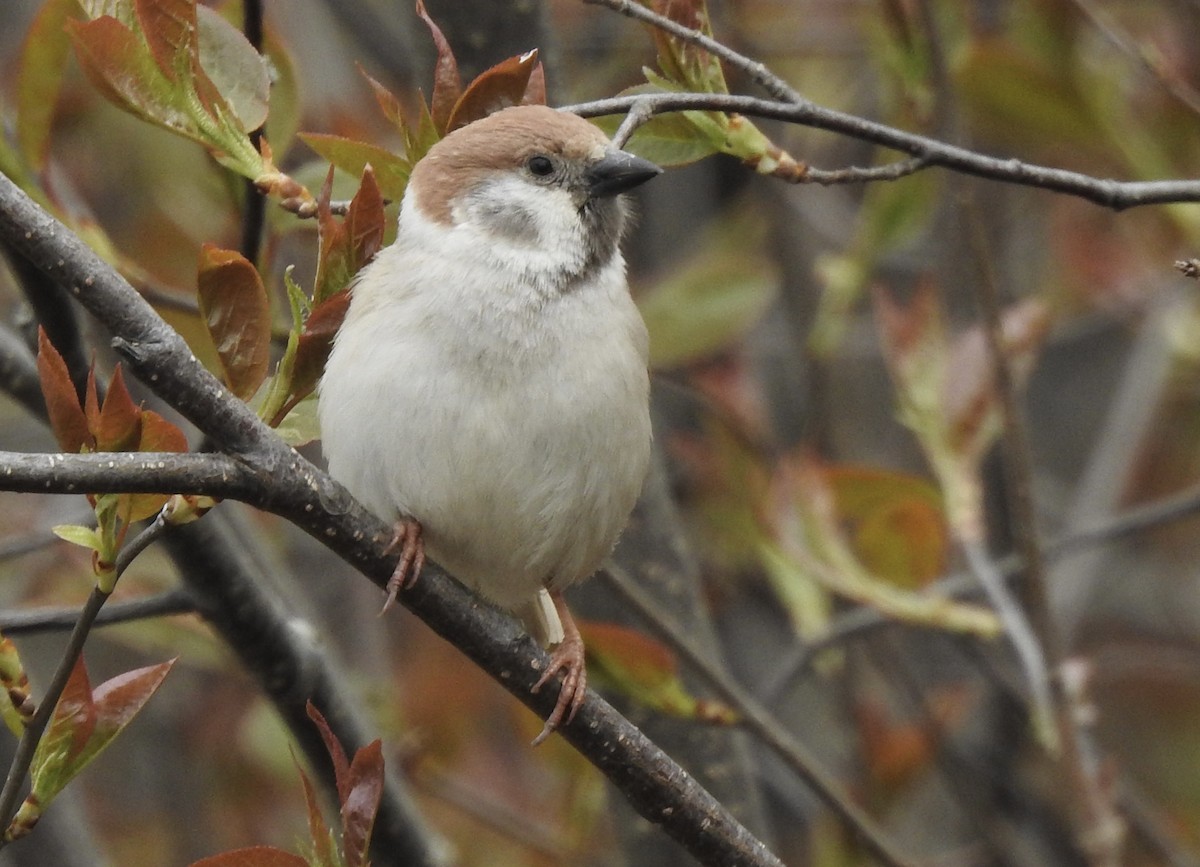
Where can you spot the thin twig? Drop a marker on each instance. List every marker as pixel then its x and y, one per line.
pixel 759 720
pixel 27 746
pixel 1117 195
pixel 1044 646
pixel 858 175
pixel 1125 43
pixel 770 82
pixel 254 207
pixel 54 619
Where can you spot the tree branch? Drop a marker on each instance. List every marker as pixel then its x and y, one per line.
pixel 1117 195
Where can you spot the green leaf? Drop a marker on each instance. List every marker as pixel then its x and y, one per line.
pixel 352 157
pixel 647 671
pixel 302 423
pixel 84 537
pixel 284 118
pixel 712 300
pixel 40 74
pixel 122 65
pixel 234 67
pixel 237 312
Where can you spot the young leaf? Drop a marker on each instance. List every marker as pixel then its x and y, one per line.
pixel 360 803
pixel 648 672
pixel 236 70
pixel 535 90
pixel 388 102
pixel 119 699
pixel 18 707
pixel 157 435
pixel 324 847
pixel 300 424
pixel 316 341
pixel 84 537
pixel 447 85
pixel 894 521
pixel 40 74
pixel 118 428
pixel 67 418
pixel 55 761
pixel 353 157
pixel 254 856
pixel 365 221
pixel 120 66
pixel 496 88
pixel 234 304
pixel 169 28
pixel 337 755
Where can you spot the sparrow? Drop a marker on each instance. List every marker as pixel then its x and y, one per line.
pixel 487 393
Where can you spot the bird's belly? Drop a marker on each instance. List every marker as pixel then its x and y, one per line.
pixel 518 480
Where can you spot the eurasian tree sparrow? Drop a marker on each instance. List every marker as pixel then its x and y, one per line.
pixel 488 390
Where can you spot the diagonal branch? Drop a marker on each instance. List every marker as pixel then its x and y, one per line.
pixel 1117 195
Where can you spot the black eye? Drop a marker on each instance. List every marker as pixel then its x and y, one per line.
pixel 540 165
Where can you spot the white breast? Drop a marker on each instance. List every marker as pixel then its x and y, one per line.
pixel 512 423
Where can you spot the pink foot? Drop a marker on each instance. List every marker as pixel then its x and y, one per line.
pixel 407 539
pixel 567 657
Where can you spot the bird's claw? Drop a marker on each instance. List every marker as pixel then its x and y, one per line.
pixel 406 538
pixel 567 657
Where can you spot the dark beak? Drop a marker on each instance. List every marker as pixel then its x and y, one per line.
pixel 617 172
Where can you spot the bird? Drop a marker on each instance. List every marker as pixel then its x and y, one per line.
pixel 487 393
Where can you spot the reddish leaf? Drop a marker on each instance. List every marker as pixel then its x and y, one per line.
pixel 91 402
pixel 318 831
pixel 119 426
pixel 337 755
pixel 496 88
pixel 157 435
pixel 333 269
pixel 119 699
pixel 169 27
pixel 76 715
pixel 117 64
pixel 316 341
pixel 365 221
pixel 447 85
pixel 535 90
pixel 360 803
pixel 67 418
pixel 234 304
pixel 255 856
pixel 389 104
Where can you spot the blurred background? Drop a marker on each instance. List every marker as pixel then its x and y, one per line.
pixel 769 372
